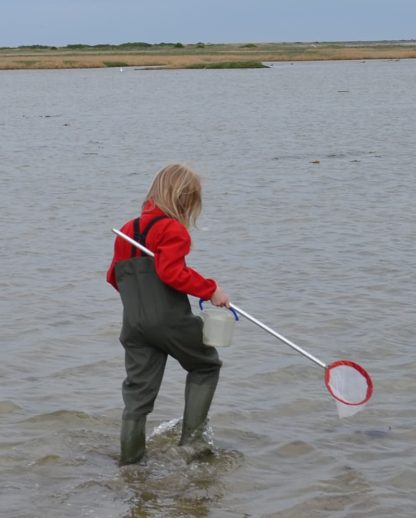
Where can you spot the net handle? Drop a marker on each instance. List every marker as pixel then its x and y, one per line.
pixel 358 368
pixel 279 336
pixel 239 310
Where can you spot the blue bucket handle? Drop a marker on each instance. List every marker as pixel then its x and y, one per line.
pixel 233 311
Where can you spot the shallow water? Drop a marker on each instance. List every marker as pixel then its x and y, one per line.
pixel 309 222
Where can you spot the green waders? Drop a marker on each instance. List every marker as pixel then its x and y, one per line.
pixel 157 322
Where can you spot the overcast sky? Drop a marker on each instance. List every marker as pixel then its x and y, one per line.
pixel 60 22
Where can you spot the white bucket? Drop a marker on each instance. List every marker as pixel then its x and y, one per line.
pixel 218 327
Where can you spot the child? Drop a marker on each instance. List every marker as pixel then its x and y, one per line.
pixel 157 317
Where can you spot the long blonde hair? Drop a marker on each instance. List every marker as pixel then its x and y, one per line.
pixel 176 190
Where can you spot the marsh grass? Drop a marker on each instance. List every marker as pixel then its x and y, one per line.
pixel 199 55
pixel 27 62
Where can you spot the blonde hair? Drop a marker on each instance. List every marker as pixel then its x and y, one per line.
pixel 176 190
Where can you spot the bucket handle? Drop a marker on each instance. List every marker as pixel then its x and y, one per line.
pixel 233 311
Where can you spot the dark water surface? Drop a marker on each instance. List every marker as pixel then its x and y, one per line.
pixel 322 252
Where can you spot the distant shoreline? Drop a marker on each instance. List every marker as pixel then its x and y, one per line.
pixel 199 55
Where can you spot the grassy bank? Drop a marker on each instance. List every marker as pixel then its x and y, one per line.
pixel 200 55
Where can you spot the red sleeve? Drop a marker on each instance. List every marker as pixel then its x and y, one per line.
pixel 171 244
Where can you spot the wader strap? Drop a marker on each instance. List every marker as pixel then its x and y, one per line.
pixel 141 238
pixel 136 236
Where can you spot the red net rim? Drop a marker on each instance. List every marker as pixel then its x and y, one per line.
pixel 358 368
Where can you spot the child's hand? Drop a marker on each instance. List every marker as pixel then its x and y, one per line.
pixel 220 298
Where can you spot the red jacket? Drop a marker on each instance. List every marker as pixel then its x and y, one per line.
pixel 170 241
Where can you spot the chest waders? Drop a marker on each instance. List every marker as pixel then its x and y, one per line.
pixel 157 322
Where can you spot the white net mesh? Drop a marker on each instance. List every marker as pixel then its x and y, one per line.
pixel 350 385
pixel 348 410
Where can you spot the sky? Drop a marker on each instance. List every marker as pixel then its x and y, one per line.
pixel 62 22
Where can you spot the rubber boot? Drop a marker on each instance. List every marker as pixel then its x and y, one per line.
pixel 133 440
pixel 197 402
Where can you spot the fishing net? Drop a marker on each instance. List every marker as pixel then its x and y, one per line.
pixel 350 385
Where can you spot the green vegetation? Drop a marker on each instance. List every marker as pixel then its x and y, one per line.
pixel 77 46
pixel 135 45
pixel 229 64
pixel 35 47
pixel 115 64
pixel 197 55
